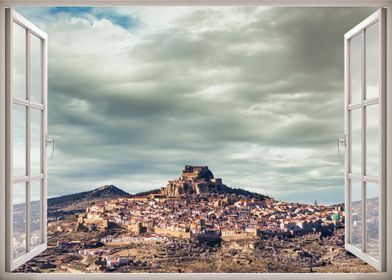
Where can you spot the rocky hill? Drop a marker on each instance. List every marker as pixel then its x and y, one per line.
pixel 196 180
pixel 104 192
pixel 77 202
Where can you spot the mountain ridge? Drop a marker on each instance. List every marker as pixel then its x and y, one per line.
pixel 106 191
pixel 76 203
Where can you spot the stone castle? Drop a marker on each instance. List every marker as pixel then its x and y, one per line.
pixel 194 180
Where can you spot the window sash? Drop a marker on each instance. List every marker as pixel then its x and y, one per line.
pixel 362 177
pixel 31 249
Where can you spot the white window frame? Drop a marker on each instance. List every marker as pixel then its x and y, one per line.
pixel 292 3
pixel 13 17
pixel 378 16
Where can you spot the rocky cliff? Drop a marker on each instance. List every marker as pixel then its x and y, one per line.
pixel 193 180
pixel 200 180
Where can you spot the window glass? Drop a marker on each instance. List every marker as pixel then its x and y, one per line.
pixel 355 69
pixel 372 140
pixel 35 209
pixel 35 69
pixel 18 61
pixel 19 140
pixel 373 219
pixel 18 220
pixel 372 61
pixel 356 213
pixel 356 141
pixel 35 141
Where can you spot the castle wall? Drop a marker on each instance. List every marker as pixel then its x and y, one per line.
pixel 172 233
pixel 237 236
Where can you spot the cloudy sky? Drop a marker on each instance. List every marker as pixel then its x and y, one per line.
pixel 254 93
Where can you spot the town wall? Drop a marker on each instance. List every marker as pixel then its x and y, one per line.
pixel 172 233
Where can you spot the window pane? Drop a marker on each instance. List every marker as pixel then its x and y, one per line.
pixel 372 219
pixel 18 220
pixel 18 61
pixel 356 213
pixel 35 69
pixel 355 69
pixel 35 209
pixel 372 140
pixel 372 61
pixel 35 141
pixel 356 141
pixel 19 140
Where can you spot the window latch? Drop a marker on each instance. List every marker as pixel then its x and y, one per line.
pixel 50 141
pixel 341 142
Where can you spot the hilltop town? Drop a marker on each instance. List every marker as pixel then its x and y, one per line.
pixel 198 205
pixel 198 224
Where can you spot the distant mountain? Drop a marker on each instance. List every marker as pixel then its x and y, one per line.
pixel 72 202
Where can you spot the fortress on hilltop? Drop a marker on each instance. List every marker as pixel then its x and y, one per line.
pixel 194 180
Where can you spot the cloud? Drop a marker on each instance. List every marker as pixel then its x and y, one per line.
pixel 256 93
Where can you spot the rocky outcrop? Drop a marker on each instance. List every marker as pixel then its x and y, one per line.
pixel 194 180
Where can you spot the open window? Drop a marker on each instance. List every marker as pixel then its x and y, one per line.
pixel 366 138
pixel 26 133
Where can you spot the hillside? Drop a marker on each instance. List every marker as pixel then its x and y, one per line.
pixel 104 192
pixel 76 203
